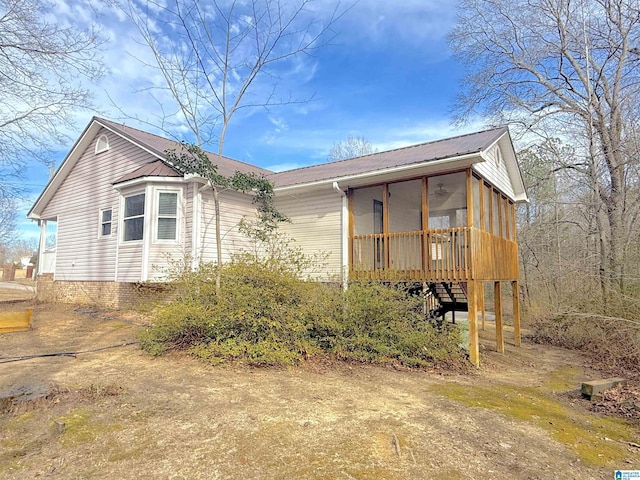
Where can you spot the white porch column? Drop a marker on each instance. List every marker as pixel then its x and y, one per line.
pixel 344 235
pixel 43 244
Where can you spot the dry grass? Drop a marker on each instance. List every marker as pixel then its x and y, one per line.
pixel 120 413
pixel 613 343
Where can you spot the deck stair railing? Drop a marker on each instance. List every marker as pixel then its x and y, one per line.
pixel 451 297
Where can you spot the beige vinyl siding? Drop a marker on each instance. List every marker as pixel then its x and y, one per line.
pixel 234 206
pixel 130 262
pixel 495 173
pixel 316 228
pixel 81 253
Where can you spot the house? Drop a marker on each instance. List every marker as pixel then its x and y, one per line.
pixel 439 214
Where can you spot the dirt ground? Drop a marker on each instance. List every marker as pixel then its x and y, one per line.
pixel 119 413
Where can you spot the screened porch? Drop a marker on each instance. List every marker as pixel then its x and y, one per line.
pixel 451 227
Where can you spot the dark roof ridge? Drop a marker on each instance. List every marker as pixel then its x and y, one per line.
pixel 116 124
pixel 400 148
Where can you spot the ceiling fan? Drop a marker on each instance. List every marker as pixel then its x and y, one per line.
pixel 440 191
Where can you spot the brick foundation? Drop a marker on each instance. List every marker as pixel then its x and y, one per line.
pixel 105 294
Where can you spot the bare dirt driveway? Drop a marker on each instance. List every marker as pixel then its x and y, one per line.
pixel 119 413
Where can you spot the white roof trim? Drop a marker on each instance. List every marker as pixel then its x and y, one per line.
pixel 384 171
pixel 146 180
pixel 72 158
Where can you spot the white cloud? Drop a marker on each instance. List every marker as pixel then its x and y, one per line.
pixel 279 123
pixel 416 22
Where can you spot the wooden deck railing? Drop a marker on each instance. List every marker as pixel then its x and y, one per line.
pixel 493 258
pixel 452 254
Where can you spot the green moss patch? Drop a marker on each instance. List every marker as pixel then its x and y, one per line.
pixel 563 379
pixel 584 433
pixel 79 428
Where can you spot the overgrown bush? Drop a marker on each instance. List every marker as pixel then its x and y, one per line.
pixel 266 315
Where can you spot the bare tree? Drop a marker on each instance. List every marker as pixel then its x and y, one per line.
pixel 350 148
pixel 570 62
pixel 8 213
pixel 41 64
pixel 220 57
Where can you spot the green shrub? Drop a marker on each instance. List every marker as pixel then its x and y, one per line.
pixel 382 324
pixel 266 315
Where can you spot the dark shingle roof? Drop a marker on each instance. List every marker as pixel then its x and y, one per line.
pixel 156 168
pixel 156 144
pixel 424 152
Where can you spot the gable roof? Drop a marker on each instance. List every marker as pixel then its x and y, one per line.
pixel 473 143
pixel 462 150
pixel 157 145
pixel 153 144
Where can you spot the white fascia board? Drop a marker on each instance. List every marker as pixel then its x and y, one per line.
pixel 134 142
pixel 385 171
pixel 71 159
pixel 511 161
pixel 513 167
pixel 192 177
pixel 145 180
pixel 65 167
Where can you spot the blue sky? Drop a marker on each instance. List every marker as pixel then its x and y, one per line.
pixel 388 76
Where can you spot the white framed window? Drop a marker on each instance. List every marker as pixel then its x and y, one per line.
pixel 133 218
pixel 167 216
pixel 498 156
pixel 106 215
pixel 102 145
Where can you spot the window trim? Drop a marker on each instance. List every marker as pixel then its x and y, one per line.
pixel 101 222
pixel 156 215
pixel 104 141
pixel 124 218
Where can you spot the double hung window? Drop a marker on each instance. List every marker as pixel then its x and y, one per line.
pixel 134 217
pixel 167 216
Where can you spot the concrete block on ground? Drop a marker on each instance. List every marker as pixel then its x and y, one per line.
pixel 595 388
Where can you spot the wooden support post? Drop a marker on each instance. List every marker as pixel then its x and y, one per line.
pixel 481 303
pixel 426 245
pixel 498 307
pixel 516 312
pixel 472 309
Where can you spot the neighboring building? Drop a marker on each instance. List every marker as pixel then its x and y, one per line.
pixel 440 213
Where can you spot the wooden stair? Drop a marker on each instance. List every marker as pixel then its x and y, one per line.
pixel 450 296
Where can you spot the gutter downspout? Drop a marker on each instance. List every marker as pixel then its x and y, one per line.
pixel 196 219
pixel 344 235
